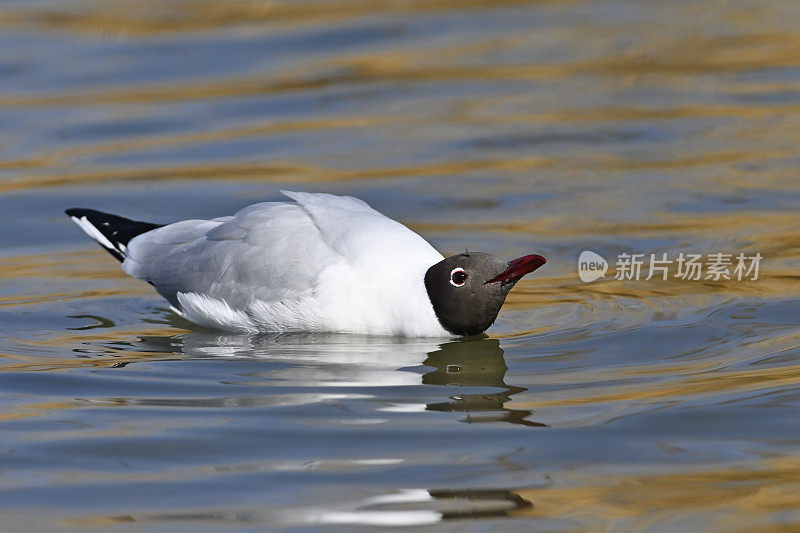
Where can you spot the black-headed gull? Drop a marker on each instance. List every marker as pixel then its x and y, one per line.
pixel 321 263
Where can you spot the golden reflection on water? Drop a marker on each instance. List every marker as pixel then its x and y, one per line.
pixel 666 61
pixel 286 172
pixel 732 498
pixel 89 264
pixel 150 16
pixel 698 381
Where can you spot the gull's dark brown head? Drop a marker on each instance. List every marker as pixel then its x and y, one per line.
pixel 467 290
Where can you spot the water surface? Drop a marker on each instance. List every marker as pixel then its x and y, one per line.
pixel 508 127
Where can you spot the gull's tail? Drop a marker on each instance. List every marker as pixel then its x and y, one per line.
pixel 112 232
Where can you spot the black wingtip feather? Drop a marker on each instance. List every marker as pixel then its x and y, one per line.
pixel 75 211
pixel 117 230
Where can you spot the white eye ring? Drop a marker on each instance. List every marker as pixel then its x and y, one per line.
pixel 452 275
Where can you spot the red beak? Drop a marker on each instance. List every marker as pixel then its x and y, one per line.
pixel 518 268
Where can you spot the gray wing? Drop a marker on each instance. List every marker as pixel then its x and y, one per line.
pixel 269 251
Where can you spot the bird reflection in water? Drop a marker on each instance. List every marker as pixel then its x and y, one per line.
pixel 353 362
pixel 475 363
pixel 403 507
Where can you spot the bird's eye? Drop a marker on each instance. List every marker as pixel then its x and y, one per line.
pixel 458 277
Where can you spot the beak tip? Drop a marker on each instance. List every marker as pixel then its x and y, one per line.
pixel 519 267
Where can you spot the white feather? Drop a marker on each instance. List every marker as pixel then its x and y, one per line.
pixel 92 232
